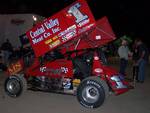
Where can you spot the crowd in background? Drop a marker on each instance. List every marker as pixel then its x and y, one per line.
pixel 140 57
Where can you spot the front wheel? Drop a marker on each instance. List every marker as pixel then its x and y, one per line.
pixel 91 92
pixel 15 85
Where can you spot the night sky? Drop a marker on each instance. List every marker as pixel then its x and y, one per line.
pixel 127 17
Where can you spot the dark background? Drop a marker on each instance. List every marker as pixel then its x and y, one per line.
pixel 127 17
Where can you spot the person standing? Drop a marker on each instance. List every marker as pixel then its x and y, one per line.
pixel 135 59
pixel 6 50
pixel 123 52
pixel 142 59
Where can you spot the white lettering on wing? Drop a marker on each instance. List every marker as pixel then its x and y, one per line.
pixel 51 23
pixel 37 32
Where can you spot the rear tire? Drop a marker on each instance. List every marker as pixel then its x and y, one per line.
pixel 15 85
pixel 91 92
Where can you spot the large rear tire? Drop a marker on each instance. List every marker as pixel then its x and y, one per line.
pixel 15 85
pixel 91 92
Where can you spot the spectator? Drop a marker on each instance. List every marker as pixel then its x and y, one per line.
pixel 135 58
pixel 141 59
pixel 123 52
pixel 6 50
pixel 2 66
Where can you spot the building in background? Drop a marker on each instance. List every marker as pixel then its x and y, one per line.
pixel 15 25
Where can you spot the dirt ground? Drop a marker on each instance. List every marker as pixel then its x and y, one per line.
pixel 136 100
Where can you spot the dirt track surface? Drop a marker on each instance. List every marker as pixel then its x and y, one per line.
pixel 134 101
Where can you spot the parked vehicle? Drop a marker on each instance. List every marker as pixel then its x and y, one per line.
pixel 66 58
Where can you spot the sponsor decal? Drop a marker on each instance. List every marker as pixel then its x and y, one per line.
pixel 42 32
pixel 83 23
pixel 68 30
pixel 51 40
pixel 83 29
pixel 66 83
pixel 51 23
pixel 98 70
pixel 68 36
pixel 54 44
pixel 118 81
pixel 74 10
pixel 69 33
pixel 41 38
pixel 98 37
pixel 64 69
pixel 14 68
pixel 48 41
pixel 94 83
pixel 37 32
pixel 53 71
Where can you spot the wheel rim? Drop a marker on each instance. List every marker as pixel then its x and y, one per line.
pixel 13 86
pixel 90 94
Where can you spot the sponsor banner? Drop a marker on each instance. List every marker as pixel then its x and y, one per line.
pixel 61 27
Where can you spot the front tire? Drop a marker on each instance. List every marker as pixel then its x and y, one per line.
pixel 15 85
pixel 92 92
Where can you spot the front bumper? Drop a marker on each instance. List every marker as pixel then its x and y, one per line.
pixel 119 85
